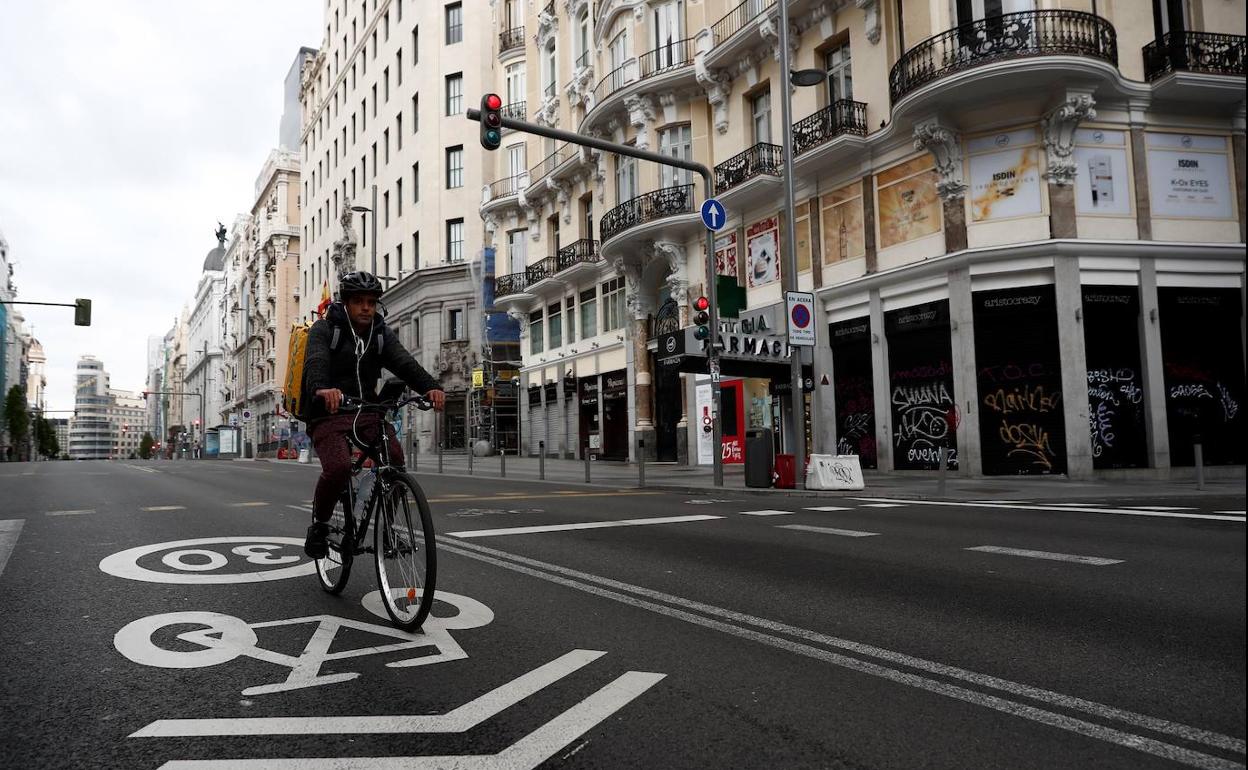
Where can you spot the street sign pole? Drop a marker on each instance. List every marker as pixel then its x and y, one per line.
pixel 798 412
pixel 708 183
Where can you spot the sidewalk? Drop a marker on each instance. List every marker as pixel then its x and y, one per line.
pixel 907 485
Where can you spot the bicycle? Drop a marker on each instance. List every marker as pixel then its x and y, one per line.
pixel 403 540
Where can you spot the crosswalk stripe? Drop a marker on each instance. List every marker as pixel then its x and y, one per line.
pixel 829 530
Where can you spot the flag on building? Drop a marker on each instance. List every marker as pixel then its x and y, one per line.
pixel 325 299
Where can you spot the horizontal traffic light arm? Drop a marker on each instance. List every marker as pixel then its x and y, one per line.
pixel 82 308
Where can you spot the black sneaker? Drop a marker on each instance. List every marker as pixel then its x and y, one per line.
pixel 316 546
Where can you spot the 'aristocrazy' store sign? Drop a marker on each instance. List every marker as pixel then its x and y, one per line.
pixel 1189 176
pixel 1005 175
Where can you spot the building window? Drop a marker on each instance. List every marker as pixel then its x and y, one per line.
pixel 454 23
pixel 676 142
pixel 613 304
pixel 515 82
pixel 386 84
pixel 760 112
pixel 455 240
pixel 415 183
pixel 398 197
pixel 398 67
pixel 571 316
pixel 398 131
pixel 840 74
pixel 625 179
pixel 455 324
pixel 415 341
pixel 415 45
pixel 415 113
pixel 416 250
pixel 517 253
pixel 454 167
pixel 374 100
pixel 589 314
pixel 536 340
pixel 550 72
pixel 454 93
pixel 398 252
pixel 554 320
pixel 385 136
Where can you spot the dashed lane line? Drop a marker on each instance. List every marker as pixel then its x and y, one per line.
pixel 71 513
pixel 1095 561
pixel 248 505
pixel 9 530
pixel 163 508
pixel 1049 507
pixel 767 513
pixel 829 508
pixel 1159 508
pixel 1231 513
pixel 582 525
pixel 884 505
pixel 558 495
pixel 829 530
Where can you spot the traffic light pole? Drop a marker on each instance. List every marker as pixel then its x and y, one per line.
pixel 708 182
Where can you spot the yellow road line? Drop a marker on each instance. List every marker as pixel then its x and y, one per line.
pixel 560 495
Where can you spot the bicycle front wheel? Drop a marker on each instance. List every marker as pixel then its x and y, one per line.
pixel 333 570
pixel 406 554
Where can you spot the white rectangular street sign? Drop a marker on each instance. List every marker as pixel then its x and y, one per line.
pixel 800 307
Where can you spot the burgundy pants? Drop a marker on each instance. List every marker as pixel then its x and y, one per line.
pixel 329 436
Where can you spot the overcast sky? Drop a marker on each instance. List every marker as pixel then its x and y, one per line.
pixel 127 129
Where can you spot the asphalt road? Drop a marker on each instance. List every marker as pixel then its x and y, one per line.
pixel 725 631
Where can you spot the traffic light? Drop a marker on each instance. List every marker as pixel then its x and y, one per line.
pixel 702 318
pixel 82 312
pixel 491 121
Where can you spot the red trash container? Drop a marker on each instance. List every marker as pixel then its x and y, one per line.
pixel 786 472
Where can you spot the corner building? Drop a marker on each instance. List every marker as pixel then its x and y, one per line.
pixel 1023 223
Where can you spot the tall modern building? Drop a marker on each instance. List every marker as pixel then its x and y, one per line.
pixel 91 431
pixel 1023 225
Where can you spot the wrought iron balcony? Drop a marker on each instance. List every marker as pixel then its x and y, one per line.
pixel 506 186
pixel 550 90
pixel 585 59
pixel 665 58
pixel 615 80
pixel 583 251
pixel 667 202
pixel 1206 52
pixel 514 110
pixel 843 116
pixel 552 161
pixel 1010 36
pixel 513 283
pixel 540 270
pixel 510 38
pixel 762 158
pixel 735 20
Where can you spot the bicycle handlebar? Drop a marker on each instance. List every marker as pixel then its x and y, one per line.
pixel 350 404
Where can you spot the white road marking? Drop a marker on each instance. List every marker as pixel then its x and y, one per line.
pixel 884 505
pixel 1049 507
pixel 71 513
pixel 305 508
pixel 247 505
pixel 458 720
pixel 1231 513
pixel 1160 508
pixel 164 508
pixel 125 564
pixel 829 508
pixel 767 513
pixel 829 530
pixel 528 752
pixel 28 473
pixel 1098 561
pixel 573 579
pixel 9 530
pixel 141 468
pixel 584 525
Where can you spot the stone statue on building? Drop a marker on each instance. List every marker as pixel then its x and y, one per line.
pixel 343 254
pixel 220 233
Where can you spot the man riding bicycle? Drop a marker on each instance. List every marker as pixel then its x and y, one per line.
pixel 351 368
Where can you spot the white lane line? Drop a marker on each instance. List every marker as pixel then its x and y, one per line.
pixel 583 581
pixel 767 513
pixel 1049 507
pixel 829 530
pixel 996 501
pixel 141 468
pixel 247 505
pixel 1160 508
pixel 584 525
pixel 1231 513
pixel 9 530
pixel 1098 561
pixel 28 473
pixel 458 720
pixel 884 505
pixel 829 508
pixel 71 513
pixel 164 508
pixel 304 508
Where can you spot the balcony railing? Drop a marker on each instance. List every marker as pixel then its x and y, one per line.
pixel 583 251
pixel 667 202
pixel 515 110
pixel 503 187
pixel 513 283
pixel 1010 36
pixel 510 38
pixel 585 59
pixel 733 21
pixel 762 158
pixel 550 90
pixel 1207 52
pixel 539 270
pixel 552 161
pixel 615 80
pixel 665 58
pixel 840 117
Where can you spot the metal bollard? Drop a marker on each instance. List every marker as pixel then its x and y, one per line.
pixel 502 461
pixel 541 460
pixel 1199 452
pixel 415 453
pixel 641 462
pixel 586 462
pixel 437 437
pixel 468 443
pixel 944 468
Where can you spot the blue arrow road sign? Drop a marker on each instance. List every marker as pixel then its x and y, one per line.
pixel 713 214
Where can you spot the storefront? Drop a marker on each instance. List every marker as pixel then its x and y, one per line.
pixel 1116 398
pixel 920 377
pixel 615 420
pixel 853 389
pixel 1202 353
pixel 589 433
pixel 536 419
pixel 1022 428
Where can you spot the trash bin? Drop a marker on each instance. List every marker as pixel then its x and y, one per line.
pixel 786 472
pixel 758 457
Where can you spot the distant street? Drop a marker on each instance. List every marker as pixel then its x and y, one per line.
pixel 162 614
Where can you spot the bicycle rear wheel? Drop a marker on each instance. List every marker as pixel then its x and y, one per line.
pixel 333 570
pixel 406 553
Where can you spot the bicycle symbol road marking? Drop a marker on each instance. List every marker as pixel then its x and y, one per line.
pixel 226 637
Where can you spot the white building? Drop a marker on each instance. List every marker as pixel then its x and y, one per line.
pixel 205 360
pixel 90 432
pixel 127 415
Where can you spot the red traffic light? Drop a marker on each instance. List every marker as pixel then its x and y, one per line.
pixel 493 102
pixel 701 303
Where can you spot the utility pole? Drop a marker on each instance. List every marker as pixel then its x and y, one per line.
pixel 203 418
pixel 797 415
pixel 246 356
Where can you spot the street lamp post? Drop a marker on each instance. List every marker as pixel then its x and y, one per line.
pixel 797 415
pixel 365 211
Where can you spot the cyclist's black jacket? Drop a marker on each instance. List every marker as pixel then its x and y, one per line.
pixel 326 368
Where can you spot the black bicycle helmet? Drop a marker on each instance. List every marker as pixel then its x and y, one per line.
pixel 359 282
